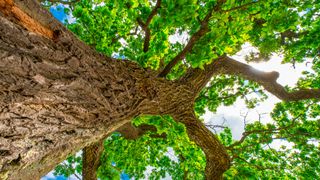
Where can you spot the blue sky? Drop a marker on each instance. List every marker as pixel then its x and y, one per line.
pixel 58 12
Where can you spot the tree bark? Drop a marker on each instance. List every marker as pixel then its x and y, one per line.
pixel 58 96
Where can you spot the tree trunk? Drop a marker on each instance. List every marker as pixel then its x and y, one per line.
pixel 58 96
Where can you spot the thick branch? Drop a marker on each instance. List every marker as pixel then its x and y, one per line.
pixel 194 38
pixel 129 131
pixel 225 65
pixel 267 79
pixel 218 161
pixel 91 160
pixel 199 78
pixel 145 26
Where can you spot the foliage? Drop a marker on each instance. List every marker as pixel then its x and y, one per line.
pixel 287 27
pixel 296 158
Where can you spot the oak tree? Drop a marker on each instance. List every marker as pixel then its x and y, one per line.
pixel 67 87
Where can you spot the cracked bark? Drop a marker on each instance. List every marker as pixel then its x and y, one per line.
pixel 58 96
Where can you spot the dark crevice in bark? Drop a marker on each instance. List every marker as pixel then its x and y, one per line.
pixel 91 160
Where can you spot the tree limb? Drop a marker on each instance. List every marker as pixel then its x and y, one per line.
pixel 145 26
pixel 226 65
pixel 131 132
pixel 199 78
pixel 218 160
pixel 91 160
pixel 267 79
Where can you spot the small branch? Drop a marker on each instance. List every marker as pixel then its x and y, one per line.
pixel 241 7
pixel 115 39
pixel 145 26
pixel 264 131
pixel 153 12
pixel 253 165
pixel 215 126
pixel 77 176
pixel 204 28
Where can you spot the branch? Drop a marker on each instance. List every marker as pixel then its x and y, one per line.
pixel 145 26
pixel 199 78
pixel 264 131
pixel 225 65
pixel 289 34
pixel 131 132
pixel 218 160
pixel 204 28
pixel 267 79
pixel 201 32
pixel 253 165
pixel 91 160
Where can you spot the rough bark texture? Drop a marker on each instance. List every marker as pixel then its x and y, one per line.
pixel 91 160
pixel 58 96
